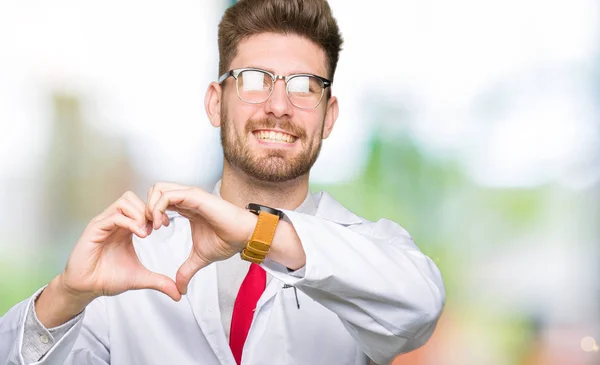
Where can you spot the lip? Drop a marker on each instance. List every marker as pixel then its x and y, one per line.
pixel 275 144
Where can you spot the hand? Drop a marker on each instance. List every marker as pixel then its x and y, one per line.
pixel 104 262
pixel 219 229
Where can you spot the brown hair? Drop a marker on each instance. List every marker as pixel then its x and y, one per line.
pixel 307 18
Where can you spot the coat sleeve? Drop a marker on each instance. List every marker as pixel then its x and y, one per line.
pixel 85 343
pixel 386 292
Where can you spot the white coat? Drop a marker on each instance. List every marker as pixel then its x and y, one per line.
pixel 366 291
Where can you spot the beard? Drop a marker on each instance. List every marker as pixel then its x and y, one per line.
pixel 271 165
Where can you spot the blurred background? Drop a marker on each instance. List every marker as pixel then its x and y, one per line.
pixel 474 124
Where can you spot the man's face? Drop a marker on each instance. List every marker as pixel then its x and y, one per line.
pixel 249 132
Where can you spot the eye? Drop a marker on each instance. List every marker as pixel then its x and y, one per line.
pixel 300 85
pixel 252 80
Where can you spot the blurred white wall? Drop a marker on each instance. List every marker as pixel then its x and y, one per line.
pixel 143 69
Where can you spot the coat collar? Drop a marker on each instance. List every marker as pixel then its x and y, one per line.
pixel 320 204
pixel 330 209
pixel 308 206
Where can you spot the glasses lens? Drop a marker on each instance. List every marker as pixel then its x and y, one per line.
pixel 305 91
pixel 254 86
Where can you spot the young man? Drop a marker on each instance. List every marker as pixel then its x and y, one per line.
pixel 265 272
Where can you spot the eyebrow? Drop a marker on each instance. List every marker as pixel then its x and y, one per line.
pixel 291 73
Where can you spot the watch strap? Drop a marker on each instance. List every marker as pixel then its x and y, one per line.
pixel 260 243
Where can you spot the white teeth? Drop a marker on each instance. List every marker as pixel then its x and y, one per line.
pixel 272 136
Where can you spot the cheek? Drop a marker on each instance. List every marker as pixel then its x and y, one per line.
pixel 236 120
pixel 314 125
pixel 232 109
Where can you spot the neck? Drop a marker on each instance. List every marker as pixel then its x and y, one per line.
pixel 240 189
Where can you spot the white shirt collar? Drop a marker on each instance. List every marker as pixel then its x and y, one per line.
pixel 308 206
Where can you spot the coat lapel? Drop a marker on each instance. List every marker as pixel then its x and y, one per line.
pixel 204 299
pixel 202 294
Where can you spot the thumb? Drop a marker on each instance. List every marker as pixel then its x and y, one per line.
pixel 158 282
pixel 187 270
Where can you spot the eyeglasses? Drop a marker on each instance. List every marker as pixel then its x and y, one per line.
pixel 255 86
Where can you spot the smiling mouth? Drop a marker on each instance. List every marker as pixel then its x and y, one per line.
pixel 274 137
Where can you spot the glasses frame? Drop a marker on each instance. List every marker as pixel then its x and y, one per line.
pixel 235 73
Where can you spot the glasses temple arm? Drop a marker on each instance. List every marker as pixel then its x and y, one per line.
pixel 224 76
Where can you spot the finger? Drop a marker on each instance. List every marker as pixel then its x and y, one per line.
pixel 114 207
pixel 147 208
pixel 149 228
pixel 119 221
pixel 168 198
pixel 136 201
pixel 137 204
pixel 187 270
pixel 156 192
pixel 154 197
pixel 158 282
pixel 182 200
pixel 128 209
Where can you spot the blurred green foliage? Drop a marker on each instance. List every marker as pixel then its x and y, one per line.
pixel 18 281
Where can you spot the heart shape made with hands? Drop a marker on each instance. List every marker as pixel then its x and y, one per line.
pixel 104 262
pixel 219 228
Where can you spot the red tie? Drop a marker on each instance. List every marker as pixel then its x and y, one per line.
pixel 243 310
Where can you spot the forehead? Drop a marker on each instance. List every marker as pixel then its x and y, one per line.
pixel 282 54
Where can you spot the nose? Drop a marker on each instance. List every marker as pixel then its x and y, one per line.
pixel 278 104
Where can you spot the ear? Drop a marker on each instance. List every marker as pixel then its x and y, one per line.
pixel 212 103
pixel 331 115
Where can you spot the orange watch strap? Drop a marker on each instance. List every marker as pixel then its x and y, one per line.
pixel 259 245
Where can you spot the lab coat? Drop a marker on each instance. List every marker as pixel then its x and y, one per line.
pixel 366 291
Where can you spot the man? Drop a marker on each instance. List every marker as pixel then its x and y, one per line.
pixel 265 272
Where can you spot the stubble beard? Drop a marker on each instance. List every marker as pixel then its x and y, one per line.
pixel 273 166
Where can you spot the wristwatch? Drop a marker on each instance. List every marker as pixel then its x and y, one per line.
pixel 260 243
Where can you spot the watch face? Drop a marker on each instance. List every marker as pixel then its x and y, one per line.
pixel 257 208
